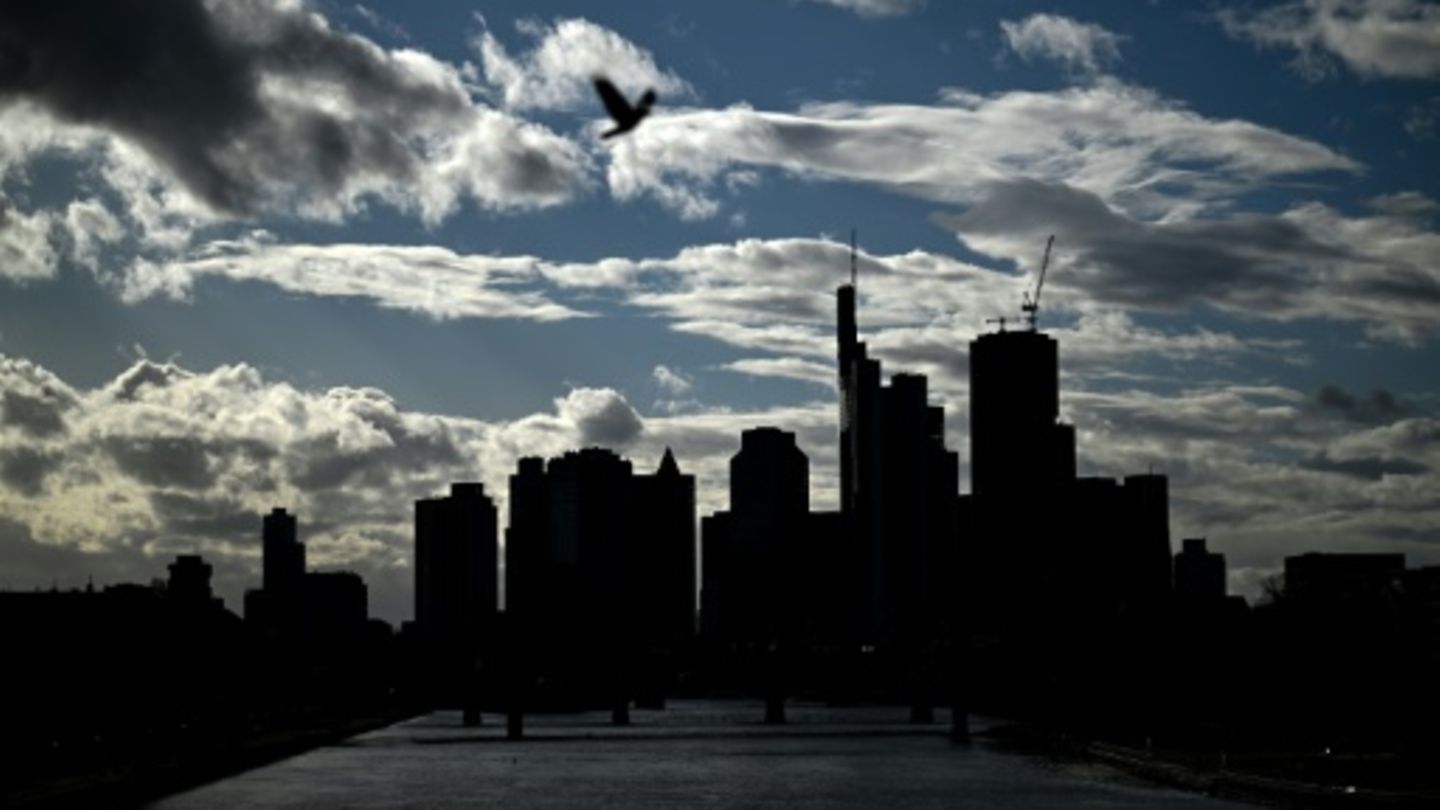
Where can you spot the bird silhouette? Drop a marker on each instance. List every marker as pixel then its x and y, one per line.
pixel 626 116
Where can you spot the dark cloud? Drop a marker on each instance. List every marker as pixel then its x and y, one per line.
pixel 1368 469
pixel 36 416
pixel 1310 261
pixel 166 461
pixel 29 563
pixel 325 461
pixel 219 517
pixel 1247 262
pixel 1379 407
pixel 24 469
pixel 224 95
pixel 163 74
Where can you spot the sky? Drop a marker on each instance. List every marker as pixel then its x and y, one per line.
pixel 333 256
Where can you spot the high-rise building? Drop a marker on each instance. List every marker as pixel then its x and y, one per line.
pixel 899 493
pixel 190 579
pixel 336 605
pixel 1017 443
pixel 284 554
pixel 755 583
pixel 1199 573
pixel 663 557
pixel 456 565
pixel 599 561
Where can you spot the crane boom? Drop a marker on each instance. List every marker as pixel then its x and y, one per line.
pixel 1031 305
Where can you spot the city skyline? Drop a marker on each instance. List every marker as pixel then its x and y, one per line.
pixel 412 318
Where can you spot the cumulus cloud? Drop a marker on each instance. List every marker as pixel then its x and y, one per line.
pixel 876 8
pixel 91 226
pixel 556 73
pixel 1081 47
pixel 25 250
pixel 1148 155
pixel 1374 38
pixel 162 459
pixel 602 416
pixel 238 109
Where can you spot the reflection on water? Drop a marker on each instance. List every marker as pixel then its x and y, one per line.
pixel 695 752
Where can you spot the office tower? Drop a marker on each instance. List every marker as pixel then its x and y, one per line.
pixel 663 559
pixel 899 493
pixel 278 605
pixel 455 565
pixel 1199 574
pixel 336 605
pixel 189 579
pixel 600 561
pixel 1017 444
pixel 284 554
pixel 756 554
pixel 1341 577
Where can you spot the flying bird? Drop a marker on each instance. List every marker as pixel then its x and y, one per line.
pixel 626 117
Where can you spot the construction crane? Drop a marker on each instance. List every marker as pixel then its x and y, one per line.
pixel 1030 305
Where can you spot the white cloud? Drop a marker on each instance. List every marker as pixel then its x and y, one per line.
pixel 91 225
pixel 164 460
pixel 602 416
pixel 876 8
pixel 792 368
pixel 1145 154
pixel 556 74
pixel 671 381
pixel 25 250
pixel 1374 38
pixel 1081 47
pixel 429 280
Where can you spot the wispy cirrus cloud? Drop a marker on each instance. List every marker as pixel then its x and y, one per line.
pixel 1373 38
pixel 876 8
pixel 1146 154
pixel 428 280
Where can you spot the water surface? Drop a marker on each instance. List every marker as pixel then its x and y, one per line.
pixel 693 753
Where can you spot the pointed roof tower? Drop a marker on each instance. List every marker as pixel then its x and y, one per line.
pixel 667 464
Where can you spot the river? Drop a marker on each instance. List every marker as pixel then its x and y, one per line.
pixel 693 753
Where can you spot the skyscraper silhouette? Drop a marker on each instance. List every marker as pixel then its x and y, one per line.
pixel 754 579
pixel 599 565
pixel 278 605
pixel 1199 573
pixel 284 554
pixel 1017 443
pixel 899 491
pixel 456 565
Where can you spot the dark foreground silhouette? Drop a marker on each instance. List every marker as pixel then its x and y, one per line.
pixel 1044 596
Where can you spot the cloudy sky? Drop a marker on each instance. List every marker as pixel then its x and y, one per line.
pixel 332 256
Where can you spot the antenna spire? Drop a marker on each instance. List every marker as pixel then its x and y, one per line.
pixel 852 258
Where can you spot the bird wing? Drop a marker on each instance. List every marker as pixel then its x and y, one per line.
pixel 615 104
